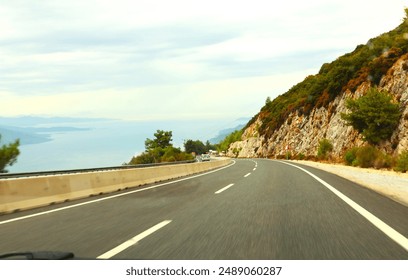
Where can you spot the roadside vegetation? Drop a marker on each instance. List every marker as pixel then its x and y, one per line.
pixel 198 147
pixel 402 162
pixel 367 156
pixel 325 147
pixel 374 115
pixel 160 149
pixel 8 154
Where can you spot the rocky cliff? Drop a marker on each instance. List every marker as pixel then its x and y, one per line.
pixel 300 133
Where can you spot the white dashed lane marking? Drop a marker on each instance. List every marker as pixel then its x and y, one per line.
pixel 133 240
pixel 223 189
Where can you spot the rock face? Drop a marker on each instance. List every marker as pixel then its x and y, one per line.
pixel 301 134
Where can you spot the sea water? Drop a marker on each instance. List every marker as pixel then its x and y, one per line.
pixel 105 143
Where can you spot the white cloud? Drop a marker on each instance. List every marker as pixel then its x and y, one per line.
pixel 230 98
pixel 172 59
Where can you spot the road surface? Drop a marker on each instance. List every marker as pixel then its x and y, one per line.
pixel 251 209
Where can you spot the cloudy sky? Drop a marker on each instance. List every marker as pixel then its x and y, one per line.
pixel 179 59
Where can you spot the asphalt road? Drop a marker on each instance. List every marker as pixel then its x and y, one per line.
pixel 253 209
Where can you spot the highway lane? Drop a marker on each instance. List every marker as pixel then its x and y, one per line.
pixel 254 209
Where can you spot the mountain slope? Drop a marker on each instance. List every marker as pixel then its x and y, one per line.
pixel 310 111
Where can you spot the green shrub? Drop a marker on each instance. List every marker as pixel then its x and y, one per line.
pixel 311 158
pixel 350 156
pixel 300 156
pixel 143 158
pixel 402 162
pixel 383 161
pixel 169 154
pixel 236 151
pixel 325 147
pixel 366 156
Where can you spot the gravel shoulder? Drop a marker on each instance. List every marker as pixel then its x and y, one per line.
pixel 388 183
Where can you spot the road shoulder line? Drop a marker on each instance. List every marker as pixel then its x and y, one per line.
pixel 389 231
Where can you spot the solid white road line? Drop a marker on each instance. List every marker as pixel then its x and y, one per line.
pixel 223 189
pixel 112 196
pixel 247 175
pixel 389 231
pixel 133 241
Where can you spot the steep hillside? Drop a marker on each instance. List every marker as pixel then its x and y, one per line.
pixel 311 110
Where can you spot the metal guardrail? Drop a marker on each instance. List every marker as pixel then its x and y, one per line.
pixel 87 170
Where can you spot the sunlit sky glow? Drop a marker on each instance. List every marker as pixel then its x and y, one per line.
pixel 179 59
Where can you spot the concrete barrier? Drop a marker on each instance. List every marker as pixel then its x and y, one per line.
pixel 30 192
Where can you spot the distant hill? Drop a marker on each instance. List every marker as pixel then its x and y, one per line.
pixel 225 132
pixel 32 135
pixel 35 130
pixel 10 134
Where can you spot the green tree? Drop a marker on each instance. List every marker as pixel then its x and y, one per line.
pixel 374 115
pixel 209 146
pixel 197 147
pixel 162 140
pixel 8 154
